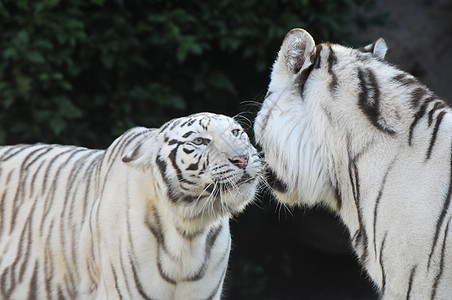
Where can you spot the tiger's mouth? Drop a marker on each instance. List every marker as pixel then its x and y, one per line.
pixel 228 186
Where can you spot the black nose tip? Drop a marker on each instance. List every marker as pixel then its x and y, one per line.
pixel 241 161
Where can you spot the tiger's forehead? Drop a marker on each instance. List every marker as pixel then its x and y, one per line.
pixel 202 122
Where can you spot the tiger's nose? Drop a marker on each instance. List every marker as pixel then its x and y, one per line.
pixel 241 161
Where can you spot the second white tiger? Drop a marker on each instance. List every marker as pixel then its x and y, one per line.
pixel 343 128
pixel 145 219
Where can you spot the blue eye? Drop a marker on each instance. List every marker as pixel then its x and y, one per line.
pixel 235 132
pixel 200 141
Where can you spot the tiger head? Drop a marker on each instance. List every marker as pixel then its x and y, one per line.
pixel 205 166
pixel 324 104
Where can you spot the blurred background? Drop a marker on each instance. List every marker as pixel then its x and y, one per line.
pixel 82 72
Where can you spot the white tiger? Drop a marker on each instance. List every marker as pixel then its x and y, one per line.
pixel 145 219
pixel 343 128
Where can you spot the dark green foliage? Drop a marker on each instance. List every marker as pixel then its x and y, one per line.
pixel 82 72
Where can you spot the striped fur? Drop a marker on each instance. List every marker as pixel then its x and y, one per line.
pixel 145 219
pixel 342 128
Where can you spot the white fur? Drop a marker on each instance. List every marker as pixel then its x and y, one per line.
pixel 311 140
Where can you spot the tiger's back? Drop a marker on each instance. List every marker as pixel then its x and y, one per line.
pixel 46 193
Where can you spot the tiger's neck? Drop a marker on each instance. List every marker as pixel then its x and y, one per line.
pixel 360 178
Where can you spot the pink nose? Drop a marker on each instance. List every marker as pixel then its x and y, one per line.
pixel 240 161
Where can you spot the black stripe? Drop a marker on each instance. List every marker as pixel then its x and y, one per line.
pixel 19 197
pixel 172 158
pixel 188 235
pixel 173 141
pixel 115 277
pixel 48 266
pixel 156 230
pixel 416 96
pixel 28 226
pixel 410 283
pixel 2 209
pixel 383 274
pixel 377 203
pixel 316 58
pixel 123 269
pixel 21 245
pixel 188 151
pixel 133 155
pixel 217 288
pixel 162 273
pixel 49 167
pixel 50 197
pixel 6 285
pixel 193 167
pixel 6 156
pixel 191 122
pixel 158 234
pixel 274 182
pixel 186 135
pixel 443 213
pixel 32 290
pixel 268 94
pixel 46 149
pixel 162 168
pixel 77 169
pixel 406 79
pixel 441 265
pixel 332 60
pixel 438 105
pixel 302 78
pixel 120 141
pixel 165 126
pixel 418 116
pixel 337 196
pixel 185 123
pixel 175 123
pixel 369 99
pixel 360 237
pixel 435 133
pixel 210 242
pixel 138 282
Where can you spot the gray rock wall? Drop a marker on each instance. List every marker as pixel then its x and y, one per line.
pixel 419 37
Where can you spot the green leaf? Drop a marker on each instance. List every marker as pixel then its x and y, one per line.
pixel 57 125
pixel 66 108
pixel 57 76
pixel 44 76
pixel 35 57
pixel 9 53
pixel 108 61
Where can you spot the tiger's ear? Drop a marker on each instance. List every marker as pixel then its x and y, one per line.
pixel 295 51
pixel 377 48
pixel 141 155
pixel 133 155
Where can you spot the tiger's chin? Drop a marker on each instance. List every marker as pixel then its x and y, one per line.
pixel 232 198
pixel 218 201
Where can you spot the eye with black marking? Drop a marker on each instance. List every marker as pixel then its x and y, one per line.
pixel 235 132
pixel 200 141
